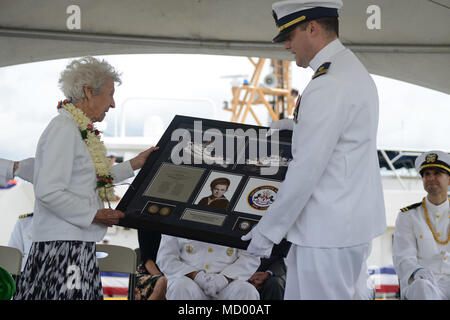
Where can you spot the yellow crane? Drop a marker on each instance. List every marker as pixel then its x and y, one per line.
pixel 277 85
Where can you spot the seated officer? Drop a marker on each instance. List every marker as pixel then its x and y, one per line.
pixel 202 271
pixel 421 250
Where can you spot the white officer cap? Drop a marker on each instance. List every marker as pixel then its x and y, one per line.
pixel 288 14
pixel 433 159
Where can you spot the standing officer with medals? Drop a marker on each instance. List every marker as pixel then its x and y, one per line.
pixel 421 250
pixel 330 205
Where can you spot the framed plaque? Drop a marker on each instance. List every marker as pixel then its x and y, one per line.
pixel 209 181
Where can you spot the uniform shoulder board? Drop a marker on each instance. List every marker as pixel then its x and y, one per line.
pixel 322 70
pixel 27 215
pixel 415 205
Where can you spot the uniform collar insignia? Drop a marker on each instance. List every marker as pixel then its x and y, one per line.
pixel 322 70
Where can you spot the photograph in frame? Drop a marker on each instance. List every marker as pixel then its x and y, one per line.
pixel 218 190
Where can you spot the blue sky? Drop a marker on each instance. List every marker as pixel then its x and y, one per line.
pixel 159 86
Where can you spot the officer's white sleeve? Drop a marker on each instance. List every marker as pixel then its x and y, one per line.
pixel 6 171
pixel 168 258
pixel 16 239
pixel 404 250
pixel 243 268
pixel 322 115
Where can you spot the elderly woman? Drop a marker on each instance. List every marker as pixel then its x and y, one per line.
pixel 72 179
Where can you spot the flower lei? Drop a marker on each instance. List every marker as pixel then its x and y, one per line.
pixel 97 150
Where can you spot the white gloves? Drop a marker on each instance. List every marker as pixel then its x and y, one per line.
pixel 283 124
pixel 201 279
pixel 259 245
pixel 211 283
pixel 215 284
pixel 424 274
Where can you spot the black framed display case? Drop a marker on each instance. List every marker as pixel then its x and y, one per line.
pixel 209 181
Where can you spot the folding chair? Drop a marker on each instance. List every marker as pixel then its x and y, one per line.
pixel 138 256
pixel 11 260
pixel 119 259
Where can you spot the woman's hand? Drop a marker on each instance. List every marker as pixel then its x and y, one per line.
pixel 108 217
pixel 138 161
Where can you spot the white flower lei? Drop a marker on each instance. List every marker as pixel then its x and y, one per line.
pixel 97 150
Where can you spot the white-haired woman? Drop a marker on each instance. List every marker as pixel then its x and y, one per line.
pixel 72 179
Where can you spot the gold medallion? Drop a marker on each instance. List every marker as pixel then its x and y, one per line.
pixel 153 209
pixel 164 211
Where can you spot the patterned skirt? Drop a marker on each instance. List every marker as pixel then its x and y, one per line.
pixel 60 270
pixel 145 283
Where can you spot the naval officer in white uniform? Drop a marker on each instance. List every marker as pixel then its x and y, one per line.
pixel 21 236
pixel 202 271
pixel 421 251
pixel 330 205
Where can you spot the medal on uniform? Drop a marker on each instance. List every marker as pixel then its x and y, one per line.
pixel 189 249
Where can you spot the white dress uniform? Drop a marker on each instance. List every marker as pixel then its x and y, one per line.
pixel 330 205
pixel 177 257
pixel 415 247
pixel 21 236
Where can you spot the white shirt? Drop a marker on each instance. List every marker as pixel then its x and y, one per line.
pixel 64 184
pixel 414 244
pixel 21 236
pixel 177 257
pixel 332 194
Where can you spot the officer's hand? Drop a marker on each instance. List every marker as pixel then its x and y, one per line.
pixel 108 217
pixel 215 284
pixel 259 245
pixel 201 279
pixel 425 274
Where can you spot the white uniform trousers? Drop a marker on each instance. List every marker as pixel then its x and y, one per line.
pixel 327 273
pixel 422 289
pixel 184 288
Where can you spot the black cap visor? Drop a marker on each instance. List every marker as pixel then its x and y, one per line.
pixel 283 35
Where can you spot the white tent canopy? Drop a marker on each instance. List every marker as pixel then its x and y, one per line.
pixel 411 41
